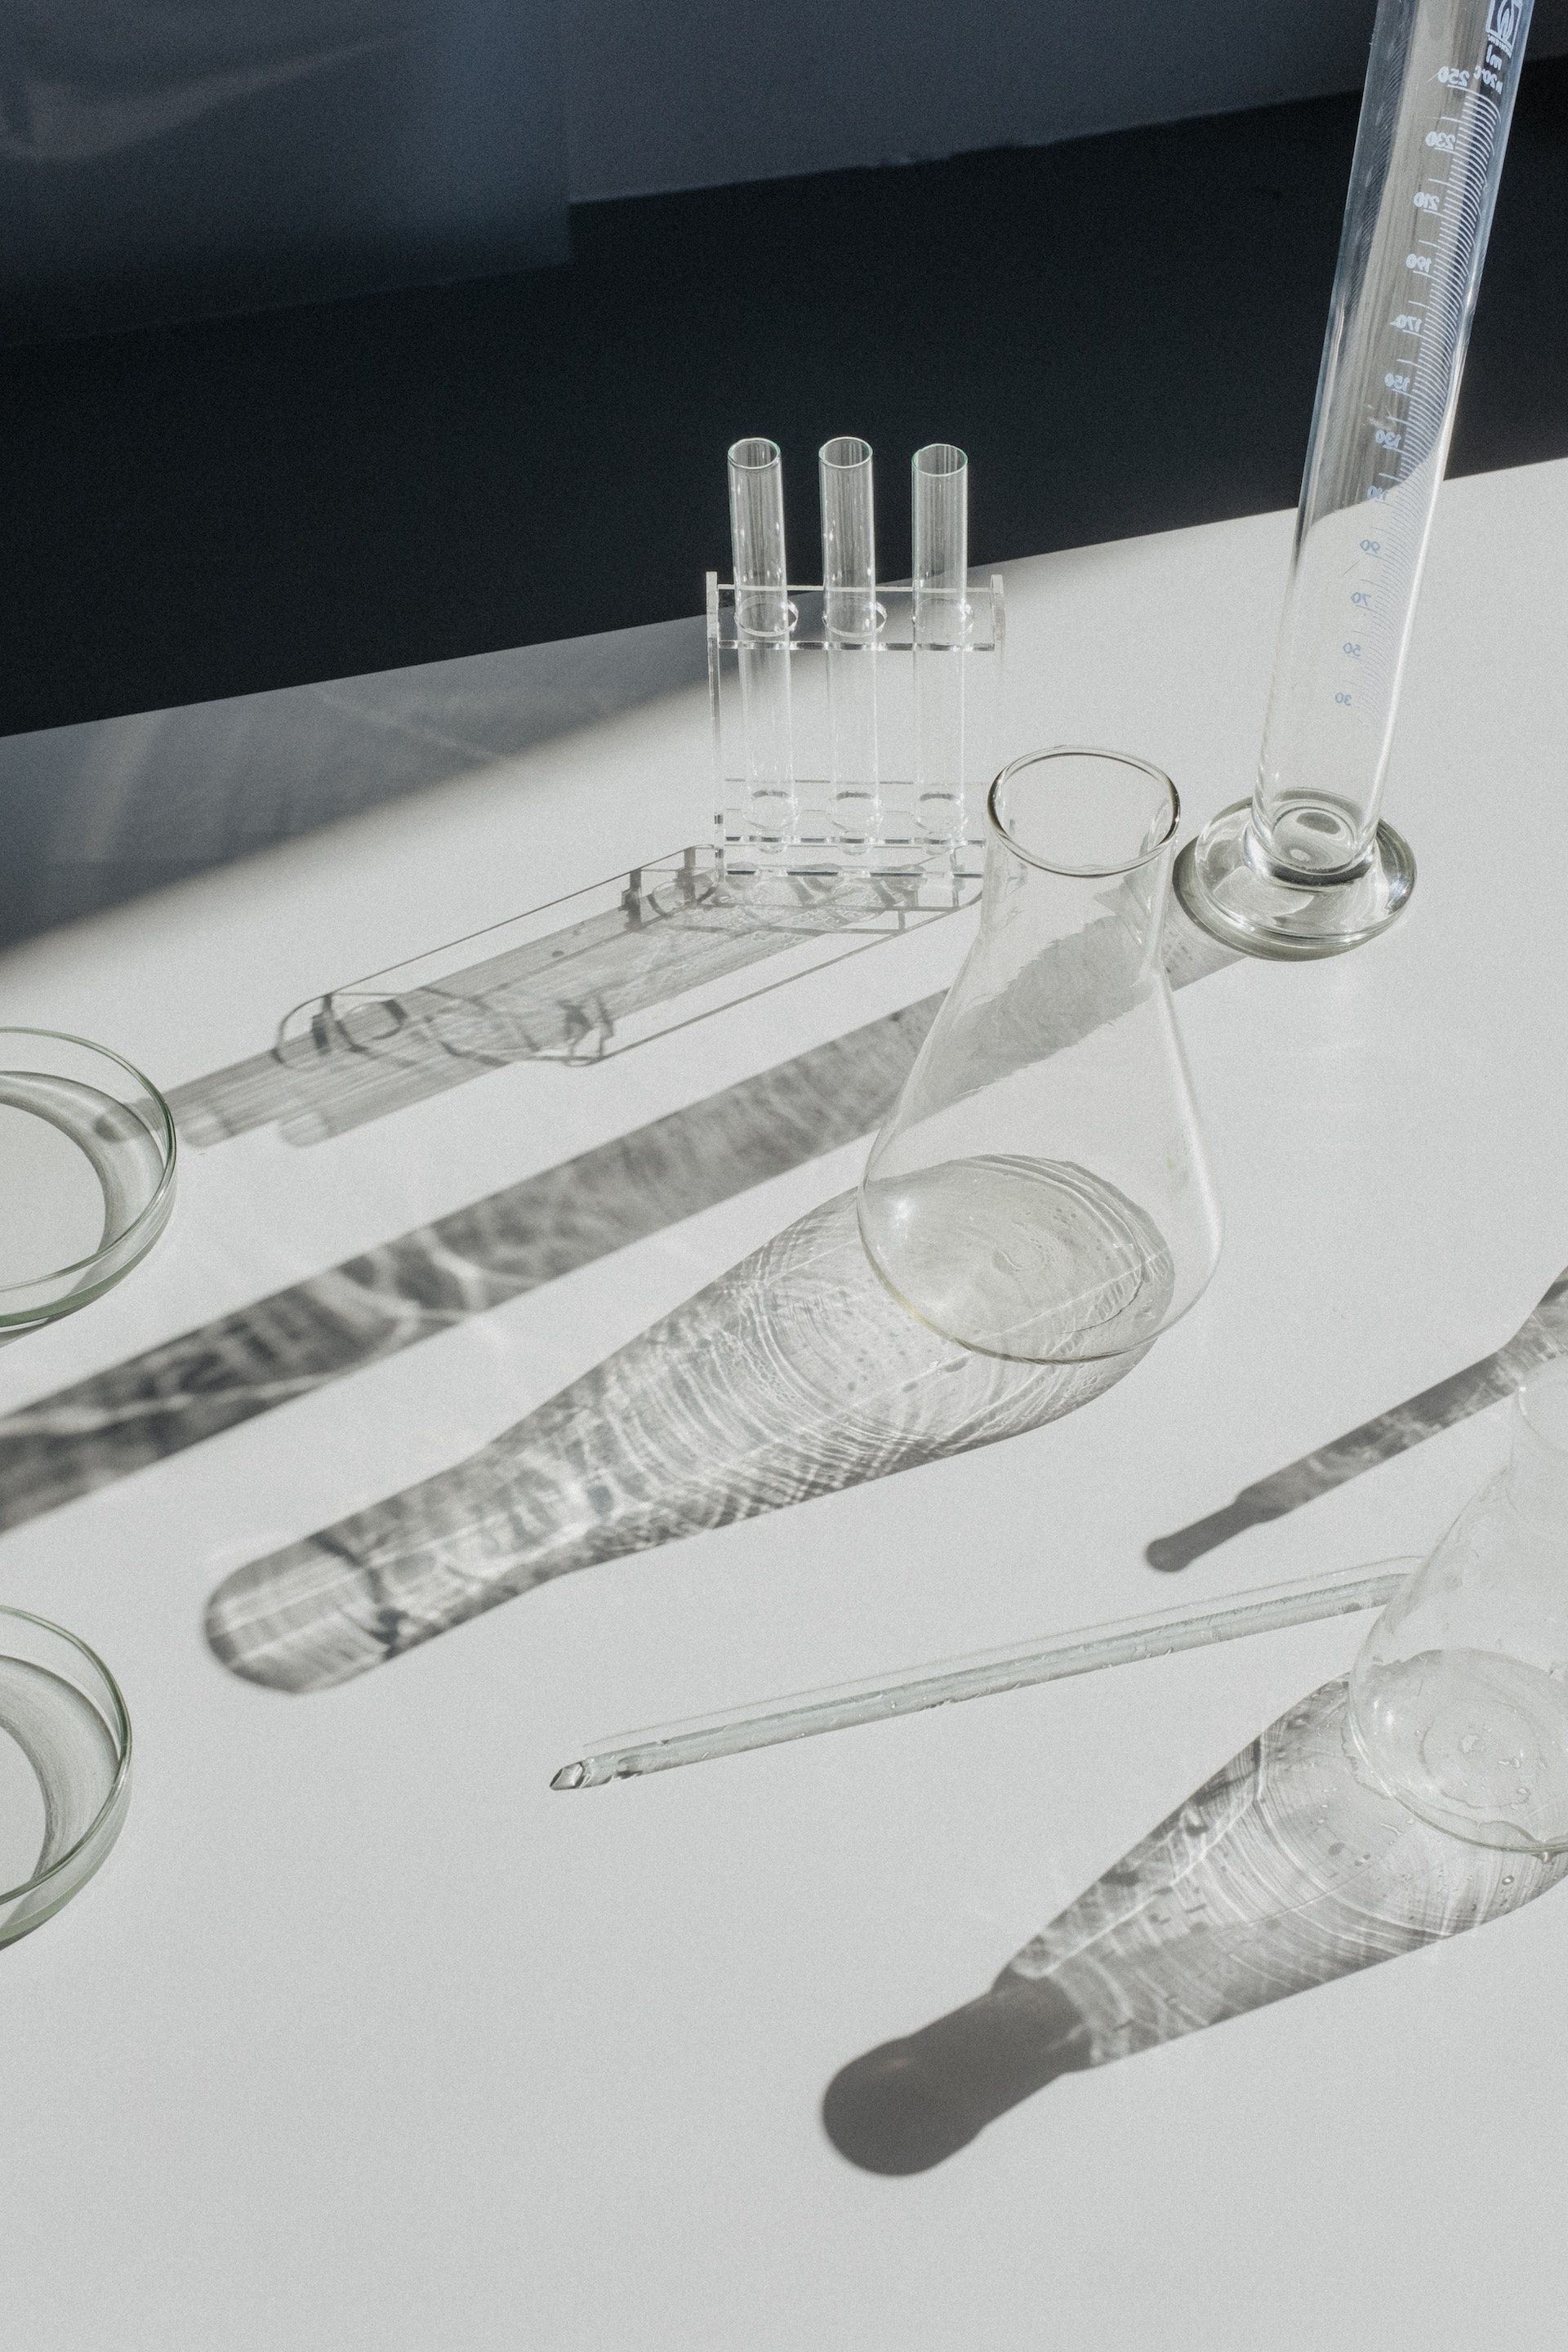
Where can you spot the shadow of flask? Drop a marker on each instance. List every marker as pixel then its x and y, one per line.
pixel 1288 1869
pixel 794 1375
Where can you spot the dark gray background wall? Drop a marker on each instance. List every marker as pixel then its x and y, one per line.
pixel 185 158
pixel 220 506
pixel 180 158
pixel 663 94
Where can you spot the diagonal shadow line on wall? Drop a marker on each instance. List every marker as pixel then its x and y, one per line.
pixel 1289 1869
pixel 283 1348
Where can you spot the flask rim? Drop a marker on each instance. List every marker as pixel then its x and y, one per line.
pixel 1034 857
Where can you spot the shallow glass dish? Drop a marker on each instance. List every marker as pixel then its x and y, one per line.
pixel 65 1768
pixel 87 1174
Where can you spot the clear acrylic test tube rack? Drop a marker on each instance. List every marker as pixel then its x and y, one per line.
pixel 949 692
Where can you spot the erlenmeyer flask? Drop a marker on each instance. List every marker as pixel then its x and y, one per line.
pixel 1460 1697
pixel 1040 1189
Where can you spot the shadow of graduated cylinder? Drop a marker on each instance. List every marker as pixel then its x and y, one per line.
pixel 794 1375
pixel 1289 1869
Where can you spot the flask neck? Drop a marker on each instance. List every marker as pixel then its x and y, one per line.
pixel 1023 908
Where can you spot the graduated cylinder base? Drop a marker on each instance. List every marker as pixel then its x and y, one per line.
pixel 1263 912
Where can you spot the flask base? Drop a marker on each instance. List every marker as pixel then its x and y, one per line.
pixel 1259 914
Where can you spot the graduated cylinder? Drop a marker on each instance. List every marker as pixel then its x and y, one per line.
pixel 1306 868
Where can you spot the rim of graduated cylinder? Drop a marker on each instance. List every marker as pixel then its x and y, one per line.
pixel 1083 751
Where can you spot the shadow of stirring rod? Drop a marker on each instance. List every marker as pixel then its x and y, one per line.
pixel 1543 1335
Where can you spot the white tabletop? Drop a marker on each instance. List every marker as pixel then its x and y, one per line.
pixel 364 2038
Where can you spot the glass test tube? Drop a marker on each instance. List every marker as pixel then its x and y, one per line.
pixel 763 628
pixel 940 477
pixel 1306 868
pixel 850 620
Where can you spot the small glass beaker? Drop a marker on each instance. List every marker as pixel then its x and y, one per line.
pixel 1040 1190
pixel 1460 1697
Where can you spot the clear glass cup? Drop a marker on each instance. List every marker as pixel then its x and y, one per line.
pixel 1040 1190
pixel 1460 1697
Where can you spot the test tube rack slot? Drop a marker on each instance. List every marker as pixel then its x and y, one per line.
pixel 789 800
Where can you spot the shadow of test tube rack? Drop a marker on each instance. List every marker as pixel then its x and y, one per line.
pixel 574 982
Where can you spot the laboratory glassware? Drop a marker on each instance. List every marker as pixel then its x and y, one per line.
pixel 851 617
pixel 659 946
pixel 1050 1657
pixel 762 619
pixel 939 476
pixel 65 1768
pixel 87 1174
pixel 1460 1697
pixel 1040 1190
pixel 1305 867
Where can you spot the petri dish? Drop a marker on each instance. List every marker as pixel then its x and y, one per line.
pixel 87 1174
pixel 65 1768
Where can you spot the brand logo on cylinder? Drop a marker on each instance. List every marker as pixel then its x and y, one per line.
pixel 1503 18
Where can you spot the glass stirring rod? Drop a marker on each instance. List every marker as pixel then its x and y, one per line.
pixel 627 1756
pixel 1304 868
